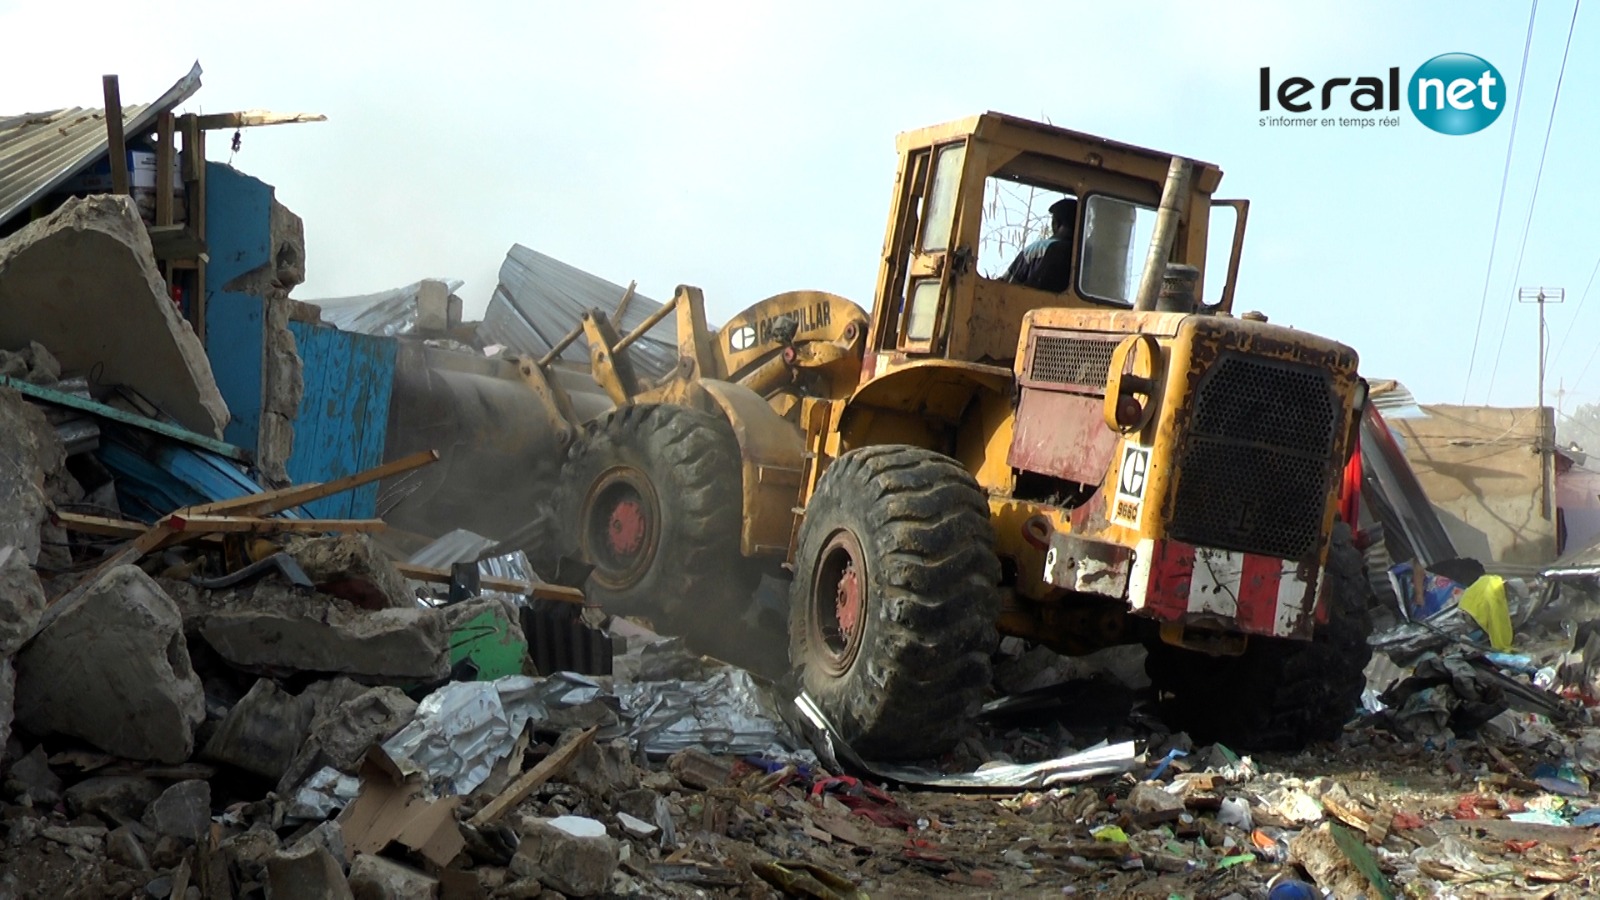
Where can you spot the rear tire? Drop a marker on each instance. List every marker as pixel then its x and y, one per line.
pixel 653 501
pixel 894 601
pixel 1280 694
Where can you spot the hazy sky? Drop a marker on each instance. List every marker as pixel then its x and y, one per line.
pixel 748 148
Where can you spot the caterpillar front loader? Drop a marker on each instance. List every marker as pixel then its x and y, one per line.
pixel 1098 458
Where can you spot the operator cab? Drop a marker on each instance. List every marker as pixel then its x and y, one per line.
pixel 971 196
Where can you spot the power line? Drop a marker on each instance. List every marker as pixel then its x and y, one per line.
pixel 1505 176
pixel 1534 202
pixel 1570 322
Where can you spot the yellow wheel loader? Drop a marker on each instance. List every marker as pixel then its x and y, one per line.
pixel 1047 428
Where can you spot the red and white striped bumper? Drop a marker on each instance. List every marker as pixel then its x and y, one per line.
pixel 1255 594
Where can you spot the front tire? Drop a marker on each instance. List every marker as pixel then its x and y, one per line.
pixel 652 499
pixel 894 601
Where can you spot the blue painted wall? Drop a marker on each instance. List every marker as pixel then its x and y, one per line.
pixel 344 417
pixel 238 240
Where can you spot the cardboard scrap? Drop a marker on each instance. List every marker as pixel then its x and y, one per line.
pixel 392 807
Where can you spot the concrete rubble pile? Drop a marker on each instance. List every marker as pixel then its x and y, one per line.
pixel 222 698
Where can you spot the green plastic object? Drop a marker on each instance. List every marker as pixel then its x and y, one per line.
pixel 1355 850
pixel 488 641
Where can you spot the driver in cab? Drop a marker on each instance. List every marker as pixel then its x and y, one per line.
pixel 1046 264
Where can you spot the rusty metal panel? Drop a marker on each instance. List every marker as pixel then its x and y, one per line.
pixel 1063 435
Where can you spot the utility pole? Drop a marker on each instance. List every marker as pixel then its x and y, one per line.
pixel 1545 439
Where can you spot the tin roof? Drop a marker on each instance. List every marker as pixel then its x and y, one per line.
pixel 540 298
pixel 39 151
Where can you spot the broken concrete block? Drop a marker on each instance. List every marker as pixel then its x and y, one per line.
pixel 351 567
pixel 275 629
pixel 114 798
pixel 604 768
pixel 247 853
pixel 371 718
pixel 1318 852
pixel 182 811
pixel 329 836
pixel 83 282
pixel 22 600
pixel 111 667
pixel 32 452
pixel 30 782
pixel 8 699
pixel 262 732
pixel 571 854
pixel 1149 798
pixel 123 846
pixel 376 878
pixel 33 364
pixel 306 871
pixel 433 307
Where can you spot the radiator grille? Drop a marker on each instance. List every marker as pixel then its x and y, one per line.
pixel 1069 360
pixel 1257 459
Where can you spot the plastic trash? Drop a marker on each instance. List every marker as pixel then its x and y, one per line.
pixel 1294 890
pixel 1485 602
pixel 1235 812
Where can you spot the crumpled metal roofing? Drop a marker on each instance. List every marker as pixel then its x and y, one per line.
pixel 539 299
pixel 39 151
pixel 386 313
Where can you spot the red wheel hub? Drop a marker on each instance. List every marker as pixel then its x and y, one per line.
pixel 848 609
pixel 626 528
pixel 840 603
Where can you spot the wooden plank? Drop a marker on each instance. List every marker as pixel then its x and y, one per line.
pixel 165 157
pixel 73 401
pixel 286 498
pixel 117 146
pixel 547 768
pixel 538 591
pixel 253 118
pixel 100 525
pixel 195 525
pixel 197 221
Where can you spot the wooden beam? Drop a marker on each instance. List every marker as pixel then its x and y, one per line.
pixel 254 118
pixel 622 305
pixel 537 591
pixel 166 156
pixel 279 500
pixel 200 525
pixel 118 147
pixel 101 525
pixel 525 784
pixel 198 223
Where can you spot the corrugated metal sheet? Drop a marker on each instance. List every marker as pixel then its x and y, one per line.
pixel 39 151
pixel 539 299
pixel 1395 401
pixel 385 313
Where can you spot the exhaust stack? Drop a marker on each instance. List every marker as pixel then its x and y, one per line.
pixel 1174 199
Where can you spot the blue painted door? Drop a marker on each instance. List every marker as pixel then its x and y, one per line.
pixel 344 416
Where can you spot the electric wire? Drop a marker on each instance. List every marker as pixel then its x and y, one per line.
pixel 1505 177
pixel 1549 127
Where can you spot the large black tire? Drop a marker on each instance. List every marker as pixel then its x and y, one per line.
pixel 1280 695
pixel 893 606
pixel 651 497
